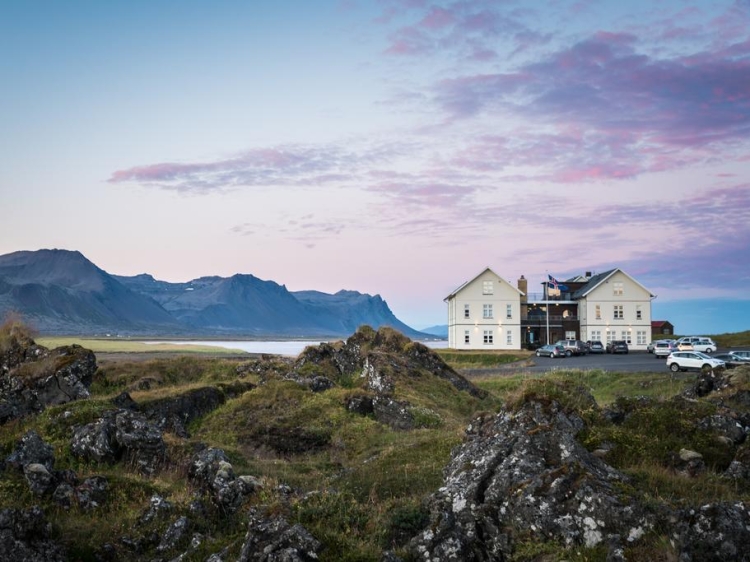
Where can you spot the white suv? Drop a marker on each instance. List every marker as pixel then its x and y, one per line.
pixel 699 343
pixel 684 360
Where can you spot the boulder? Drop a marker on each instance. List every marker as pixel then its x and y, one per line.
pixel 121 434
pixel 212 472
pixel 270 539
pixel 39 479
pixel 31 449
pixel 713 533
pixel 33 378
pixel 25 536
pixel 522 475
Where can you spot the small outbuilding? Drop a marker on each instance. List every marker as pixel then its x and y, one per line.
pixel 661 328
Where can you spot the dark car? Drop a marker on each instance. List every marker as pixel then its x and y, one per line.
pixel 617 346
pixel 731 360
pixel 551 350
pixel 573 347
pixel 596 347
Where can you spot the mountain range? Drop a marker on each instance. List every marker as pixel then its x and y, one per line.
pixel 62 292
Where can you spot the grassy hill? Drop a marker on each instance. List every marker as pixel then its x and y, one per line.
pixel 356 484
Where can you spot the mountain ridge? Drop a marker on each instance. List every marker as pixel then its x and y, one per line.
pixel 62 292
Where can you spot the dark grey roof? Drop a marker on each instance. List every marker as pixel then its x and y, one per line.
pixel 593 282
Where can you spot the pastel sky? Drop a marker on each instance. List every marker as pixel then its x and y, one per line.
pixel 394 147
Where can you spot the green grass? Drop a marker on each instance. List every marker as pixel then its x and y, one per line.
pixel 468 359
pixel 359 485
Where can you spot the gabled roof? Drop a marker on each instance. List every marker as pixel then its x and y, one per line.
pixel 485 270
pixel 659 323
pixel 597 280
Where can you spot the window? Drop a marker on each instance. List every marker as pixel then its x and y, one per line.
pixel 466 311
pixel 467 337
pixel 640 337
pixel 487 287
pixel 638 314
pixel 487 311
pixel 610 336
pixel 617 289
pixel 595 335
pixel 509 337
pixel 570 335
pixel 598 312
pixel 618 312
pixel 625 335
pixel 488 337
pixel 508 311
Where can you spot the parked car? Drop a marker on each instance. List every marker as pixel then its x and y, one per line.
pixel 617 346
pixel 573 347
pixel 684 360
pixel 697 343
pixel 662 348
pixel 743 354
pixel 650 347
pixel 551 350
pixel 731 360
pixel 596 347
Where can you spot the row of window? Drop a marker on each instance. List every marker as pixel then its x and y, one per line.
pixel 618 289
pixel 487 311
pixel 626 335
pixel 488 337
pixel 618 312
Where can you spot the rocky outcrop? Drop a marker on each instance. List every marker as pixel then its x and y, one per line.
pixel 273 538
pixel 33 377
pixel 523 474
pixel 121 435
pixel 25 535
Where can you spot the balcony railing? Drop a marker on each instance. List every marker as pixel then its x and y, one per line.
pixel 541 297
pixel 542 319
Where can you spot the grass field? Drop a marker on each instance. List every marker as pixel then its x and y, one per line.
pixel 129 346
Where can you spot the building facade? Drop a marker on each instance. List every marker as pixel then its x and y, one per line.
pixel 606 307
pixel 485 313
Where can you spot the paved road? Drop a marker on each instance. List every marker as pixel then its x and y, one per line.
pixel 633 362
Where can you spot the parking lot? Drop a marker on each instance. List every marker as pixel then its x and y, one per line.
pixel 633 362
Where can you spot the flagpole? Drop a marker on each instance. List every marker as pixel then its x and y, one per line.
pixel 546 298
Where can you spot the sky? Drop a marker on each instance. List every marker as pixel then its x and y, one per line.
pixel 393 147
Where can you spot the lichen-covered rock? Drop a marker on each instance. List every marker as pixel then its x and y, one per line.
pixel 175 534
pixel 393 413
pixel 39 479
pixel 31 449
pixel 212 472
pixel 174 413
pixel 25 536
pixel 271 539
pixel 32 377
pixel 121 434
pixel 523 474
pixel 713 533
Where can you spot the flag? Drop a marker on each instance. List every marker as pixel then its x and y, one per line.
pixel 556 285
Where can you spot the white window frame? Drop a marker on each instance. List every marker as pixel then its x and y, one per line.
pixel 595 335
pixel 640 337
pixel 487 311
pixel 618 312
pixel 638 312
pixel 467 337
pixel 509 337
pixel 618 289
pixel 488 337
pixel 570 335
pixel 487 288
pixel 610 336
pixel 598 311
pixel 626 336
pixel 467 311
pixel 508 311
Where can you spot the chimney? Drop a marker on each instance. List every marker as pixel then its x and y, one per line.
pixel 523 286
